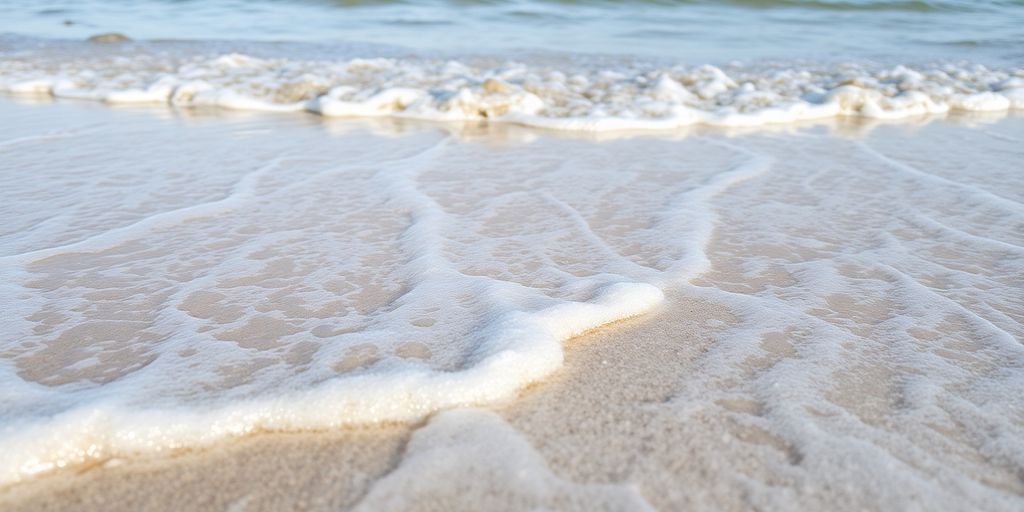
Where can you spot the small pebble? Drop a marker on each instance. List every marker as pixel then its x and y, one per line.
pixel 110 37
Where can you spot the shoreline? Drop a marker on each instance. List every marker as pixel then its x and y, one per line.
pixel 337 468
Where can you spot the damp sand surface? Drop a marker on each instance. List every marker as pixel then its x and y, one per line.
pixel 812 316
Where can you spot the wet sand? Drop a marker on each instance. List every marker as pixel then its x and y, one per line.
pixel 595 429
pixel 601 434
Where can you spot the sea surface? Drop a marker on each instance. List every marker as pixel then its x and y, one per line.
pixel 688 31
pixel 601 66
pixel 271 215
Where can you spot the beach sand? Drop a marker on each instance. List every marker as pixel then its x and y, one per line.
pixel 595 436
pixel 819 360
pixel 598 435
pixel 589 427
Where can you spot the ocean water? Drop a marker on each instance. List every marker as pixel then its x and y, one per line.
pixel 300 215
pixel 689 31
pixel 709 63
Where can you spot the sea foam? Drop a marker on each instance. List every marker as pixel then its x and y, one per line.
pixel 561 96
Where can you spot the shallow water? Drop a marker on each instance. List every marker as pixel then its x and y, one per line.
pixel 596 66
pixel 692 32
pixel 173 280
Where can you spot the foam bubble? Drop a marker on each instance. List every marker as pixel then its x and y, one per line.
pixel 573 96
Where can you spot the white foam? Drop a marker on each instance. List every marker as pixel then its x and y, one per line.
pixel 575 97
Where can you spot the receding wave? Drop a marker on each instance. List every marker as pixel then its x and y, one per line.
pixel 297 280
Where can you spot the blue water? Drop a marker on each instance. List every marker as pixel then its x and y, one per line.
pixel 685 31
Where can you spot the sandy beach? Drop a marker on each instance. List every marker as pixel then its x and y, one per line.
pixel 840 327
pixel 602 434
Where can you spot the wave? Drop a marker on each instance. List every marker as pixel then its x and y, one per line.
pixel 560 95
